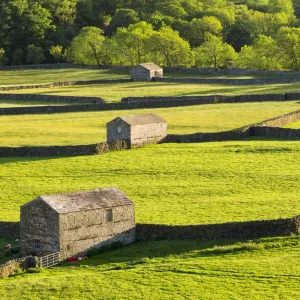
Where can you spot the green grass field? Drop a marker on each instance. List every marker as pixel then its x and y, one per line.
pixel 263 269
pixel 170 183
pixel 115 92
pixel 22 77
pixel 295 125
pixel 21 103
pixel 88 128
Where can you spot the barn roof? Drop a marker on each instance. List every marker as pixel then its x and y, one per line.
pixel 151 66
pixel 142 119
pixel 86 200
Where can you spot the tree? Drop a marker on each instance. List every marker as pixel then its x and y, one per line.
pixel 288 41
pixel 169 49
pixel 214 53
pixel 18 57
pixel 262 55
pixel 35 55
pixel 2 57
pixel 86 46
pixel 132 42
pixel 123 18
pixel 56 52
pixel 197 28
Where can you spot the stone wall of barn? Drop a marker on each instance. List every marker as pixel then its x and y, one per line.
pixel 38 222
pixel 80 231
pixel 148 133
pixel 117 130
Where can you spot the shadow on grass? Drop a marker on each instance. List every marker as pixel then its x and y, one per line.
pixel 15 159
pixel 143 252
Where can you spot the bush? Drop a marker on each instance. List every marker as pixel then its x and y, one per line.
pixel 35 55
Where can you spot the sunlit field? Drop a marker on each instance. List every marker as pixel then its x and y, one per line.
pixel 171 183
pixel 90 127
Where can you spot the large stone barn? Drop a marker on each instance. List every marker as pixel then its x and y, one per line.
pixel 137 130
pixel 146 72
pixel 72 223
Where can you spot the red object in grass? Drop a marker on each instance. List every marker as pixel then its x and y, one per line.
pixel 8 246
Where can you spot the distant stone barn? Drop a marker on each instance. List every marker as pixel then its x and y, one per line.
pixel 146 72
pixel 137 130
pixel 72 223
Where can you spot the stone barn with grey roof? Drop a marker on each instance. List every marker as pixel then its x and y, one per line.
pixel 72 223
pixel 146 72
pixel 137 130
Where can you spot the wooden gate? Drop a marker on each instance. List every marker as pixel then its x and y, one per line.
pixel 49 260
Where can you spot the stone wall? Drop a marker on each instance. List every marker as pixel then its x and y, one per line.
pixel 236 230
pixel 228 81
pixel 281 120
pixel 62 83
pixel 12 266
pixel 275 132
pixel 75 150
pixel 212 99
pixel 126 103
pixel 51 98
pixel 9 230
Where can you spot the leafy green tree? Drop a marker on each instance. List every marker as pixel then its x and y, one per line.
pixel 195 30
pixel 214 53
pixel 123 18
pixel 132 43
pixel 86 46
pixel 56 52
pixel 2 57
pixel 18 57
pixel 35 55
pixel 288 40
pixel 264 54
pixel 169 49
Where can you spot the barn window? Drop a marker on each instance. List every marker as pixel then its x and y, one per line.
pixel 37 244
pixel 119 129
pixel 108 215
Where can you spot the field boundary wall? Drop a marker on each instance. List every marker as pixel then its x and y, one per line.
pixel 75 150
pixel 9 230
pixel 208 232
pixel 229 81
pixel 88 103
pixel 63 83
pixel 14 265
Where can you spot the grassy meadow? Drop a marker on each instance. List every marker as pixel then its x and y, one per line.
pixel 115 92
pixel 261 269
pixel 22 77
pixel 295 125
pixel 170 183
pixel 90 127
pixel 21 103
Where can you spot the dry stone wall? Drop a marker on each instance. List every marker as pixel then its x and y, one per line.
pixel 76 150
pixel 12 266
pixel 236 230
pixel 62 83
pixel 9 230
pixel 51 98
pixel 229 81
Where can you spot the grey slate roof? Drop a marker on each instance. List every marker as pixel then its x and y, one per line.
pixel 86 200
pixel 142 119
pixel 151 66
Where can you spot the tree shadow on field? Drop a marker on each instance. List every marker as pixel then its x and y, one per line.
pixel 16 159
pixel 144 252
